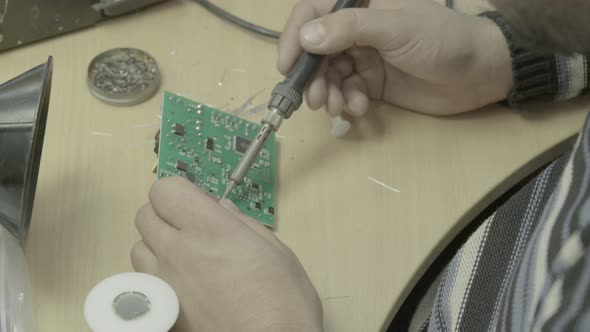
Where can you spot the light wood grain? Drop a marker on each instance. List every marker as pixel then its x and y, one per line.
pixel 362 244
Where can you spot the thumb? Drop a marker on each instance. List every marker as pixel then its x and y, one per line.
pixel 346 28
pixel 226 203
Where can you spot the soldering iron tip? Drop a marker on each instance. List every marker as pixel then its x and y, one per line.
pixel 230 187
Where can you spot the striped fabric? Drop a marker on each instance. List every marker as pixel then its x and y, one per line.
pixel 527 267
pixel 572 75
pixel 537 74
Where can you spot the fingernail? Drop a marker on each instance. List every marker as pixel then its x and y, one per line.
pixel 334 112
pixel 351 108
pixel 314 33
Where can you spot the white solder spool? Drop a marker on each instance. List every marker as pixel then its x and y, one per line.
pixel 131 302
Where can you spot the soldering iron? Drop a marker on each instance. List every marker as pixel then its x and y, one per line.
pixel 285 99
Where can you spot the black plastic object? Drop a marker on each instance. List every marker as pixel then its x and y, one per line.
pixel 26 21
pixel 24 103
pixel 287 96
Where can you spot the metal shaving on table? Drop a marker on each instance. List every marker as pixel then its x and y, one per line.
pixel 123 76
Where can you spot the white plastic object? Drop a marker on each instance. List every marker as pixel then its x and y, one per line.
pixel 152 305
pixel 339 126
pixel 16 307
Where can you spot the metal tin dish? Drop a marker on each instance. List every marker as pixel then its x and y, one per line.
pixel 123 76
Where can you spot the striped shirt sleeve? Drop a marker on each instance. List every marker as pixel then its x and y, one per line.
pixel 527 267
pixel 539 75
pixel 572 76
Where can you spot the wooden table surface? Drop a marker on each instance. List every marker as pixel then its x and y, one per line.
pixel 362 243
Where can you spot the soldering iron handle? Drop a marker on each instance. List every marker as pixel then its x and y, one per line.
pixel 303 70
pixel 288 95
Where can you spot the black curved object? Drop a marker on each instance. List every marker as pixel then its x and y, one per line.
pixel 24 104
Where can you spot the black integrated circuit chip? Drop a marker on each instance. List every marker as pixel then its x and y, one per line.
pixel 181 166
pixel 257 206
pixel 270 210
pixel 209 144
pixel 255 186
pixel 190 177
pixel 178 129
pixel 241 144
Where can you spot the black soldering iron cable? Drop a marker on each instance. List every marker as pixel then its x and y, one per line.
pixel 229 17
pixel 220 12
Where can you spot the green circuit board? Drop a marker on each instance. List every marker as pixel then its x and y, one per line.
pixel 204 145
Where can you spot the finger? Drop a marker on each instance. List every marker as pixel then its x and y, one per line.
pixel 335 104
pixel 186 206
pixel 346 28
pixel 156 233
pixel 172 199
pixel 143 259
pixel 343 64
pixel 368 63
pixel 335 100
pixel 317 91
pixel 254 224
pixel 354 90
pixel 229 205
pixel 289 47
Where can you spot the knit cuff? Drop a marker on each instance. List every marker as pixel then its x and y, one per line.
pixel 540 75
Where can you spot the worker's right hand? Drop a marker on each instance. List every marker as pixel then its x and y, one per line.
pixel 415 54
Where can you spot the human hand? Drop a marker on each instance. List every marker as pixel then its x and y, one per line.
pixel 230 273
pixel 415 54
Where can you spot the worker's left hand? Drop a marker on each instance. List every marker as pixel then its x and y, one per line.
pixel 230 273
